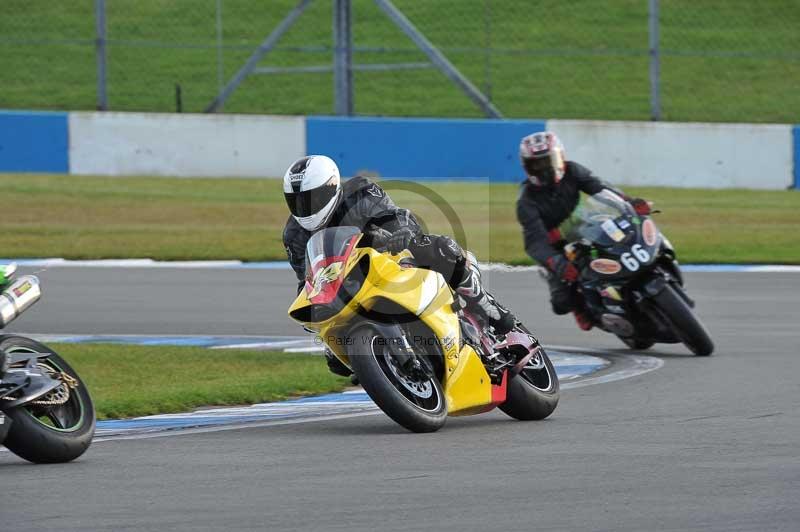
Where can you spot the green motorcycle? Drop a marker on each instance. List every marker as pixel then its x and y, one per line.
pixel 46 413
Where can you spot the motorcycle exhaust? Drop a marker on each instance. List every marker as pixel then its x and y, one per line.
pixel 18 297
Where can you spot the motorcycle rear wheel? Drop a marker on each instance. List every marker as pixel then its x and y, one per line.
pixel 687 327
pixel 533 394
pixel 418 404
pixel 50 434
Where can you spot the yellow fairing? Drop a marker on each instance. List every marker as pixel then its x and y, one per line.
pixel 421 292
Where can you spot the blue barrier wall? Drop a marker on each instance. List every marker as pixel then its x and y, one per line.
pixel 796 135
pixel 422 148
pixel 34 142
pixel 696 154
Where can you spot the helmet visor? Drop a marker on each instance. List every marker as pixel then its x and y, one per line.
pixel 310 202
pixel 541 168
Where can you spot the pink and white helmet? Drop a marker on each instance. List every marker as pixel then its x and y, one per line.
pixel 542 158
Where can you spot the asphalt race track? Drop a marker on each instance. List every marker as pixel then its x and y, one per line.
pixel 700 444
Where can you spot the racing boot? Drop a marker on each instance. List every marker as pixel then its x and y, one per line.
pixel 583 320
pixel 582 316
pixel 481 303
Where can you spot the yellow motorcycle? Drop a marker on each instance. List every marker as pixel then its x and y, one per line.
pixel 415 349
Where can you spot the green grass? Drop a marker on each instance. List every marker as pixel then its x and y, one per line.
pixel 127 381
pixel 723 60
pixel 191 219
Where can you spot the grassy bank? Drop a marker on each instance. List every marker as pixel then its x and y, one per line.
pixel 722 60
pixel 128 381
pixel 191 219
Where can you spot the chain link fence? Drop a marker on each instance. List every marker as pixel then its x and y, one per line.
pixel 716 60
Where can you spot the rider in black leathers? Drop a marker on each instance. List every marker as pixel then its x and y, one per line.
pixel 361 203
pixel 545 200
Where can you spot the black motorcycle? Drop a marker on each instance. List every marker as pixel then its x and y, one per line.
pixel 46 413
pixel 630 281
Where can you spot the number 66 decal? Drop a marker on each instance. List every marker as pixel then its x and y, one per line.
pixel 631 261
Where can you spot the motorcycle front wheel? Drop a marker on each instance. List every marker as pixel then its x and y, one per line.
pixel 686 325
pixel 413 400
pixel 57 427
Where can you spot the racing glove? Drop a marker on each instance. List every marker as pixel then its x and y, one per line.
pixel 564 269
pixel 401 240
pixel 641 206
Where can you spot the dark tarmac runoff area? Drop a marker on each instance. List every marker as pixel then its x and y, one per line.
pixel 706 444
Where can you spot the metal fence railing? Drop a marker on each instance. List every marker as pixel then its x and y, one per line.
pixel 716 60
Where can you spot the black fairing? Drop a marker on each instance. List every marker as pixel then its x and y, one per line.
pixel 634 287
pixel 614 251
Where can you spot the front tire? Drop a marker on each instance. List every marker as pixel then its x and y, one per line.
pixel 50 434
pixel 686 325
pixel 418 404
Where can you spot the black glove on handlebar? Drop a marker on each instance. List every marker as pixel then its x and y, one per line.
pixel 401 240
pixel 376 237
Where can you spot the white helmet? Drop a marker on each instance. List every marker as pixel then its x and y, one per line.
pixel 312 188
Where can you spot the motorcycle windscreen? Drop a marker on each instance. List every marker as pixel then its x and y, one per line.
pixel 595 218
pixel 326 255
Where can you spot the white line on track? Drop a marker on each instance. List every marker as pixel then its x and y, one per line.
pixel 690 268
pixel 238 426
pixel 641 364
pixel 633 365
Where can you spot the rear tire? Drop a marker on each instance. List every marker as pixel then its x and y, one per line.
pixel 686 325
pixel 418 405
pixel 533 394
pixel 34 438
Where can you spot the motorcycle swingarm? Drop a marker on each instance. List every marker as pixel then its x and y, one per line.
pixel 30 378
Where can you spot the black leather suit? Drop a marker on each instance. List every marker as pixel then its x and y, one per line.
pixel 540 210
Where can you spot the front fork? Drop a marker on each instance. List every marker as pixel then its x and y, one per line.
pixel 401 349
pixel 671 276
